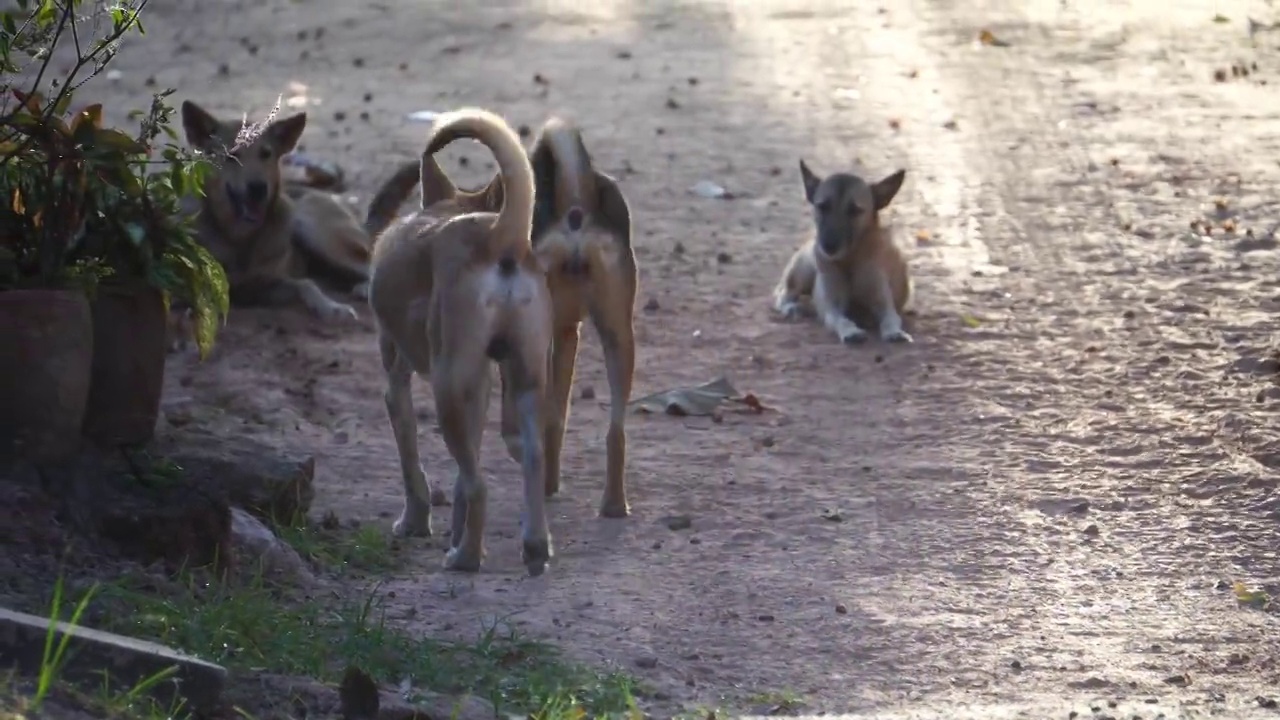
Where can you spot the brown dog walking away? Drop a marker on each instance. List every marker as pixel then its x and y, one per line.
pixel 582 237
pixel 272 239
pixel 452 290
pixel 852 270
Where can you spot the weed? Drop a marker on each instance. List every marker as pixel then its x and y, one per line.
pixel 253 627
pixel 366 548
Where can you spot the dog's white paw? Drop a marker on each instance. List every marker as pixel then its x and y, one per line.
pixel 897 336
pixel 336 311
pixel 415 521
pixel 853 335
pixel 789 310
pixel 455 559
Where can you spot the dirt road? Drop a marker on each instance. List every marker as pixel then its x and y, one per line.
pixel 1041 502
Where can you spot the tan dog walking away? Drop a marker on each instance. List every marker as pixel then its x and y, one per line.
pixel 272 239
pixel 450 292
pixel 854 273
pixel 582 237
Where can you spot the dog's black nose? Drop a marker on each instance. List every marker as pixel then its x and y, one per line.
pixel 256 192
pixel 507 266
pixel 575 218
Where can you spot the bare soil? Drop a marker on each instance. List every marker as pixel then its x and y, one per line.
pixel 1042 501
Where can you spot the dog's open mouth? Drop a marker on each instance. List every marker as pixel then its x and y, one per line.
pixel 247 210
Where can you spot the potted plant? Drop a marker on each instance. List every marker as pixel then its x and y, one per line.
pixel 92 247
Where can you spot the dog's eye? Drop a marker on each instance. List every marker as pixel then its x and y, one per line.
pixel 264 153
pixel 823 205
pixel 854 210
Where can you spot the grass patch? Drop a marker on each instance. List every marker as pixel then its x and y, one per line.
pixel 256 628
pixel 366 548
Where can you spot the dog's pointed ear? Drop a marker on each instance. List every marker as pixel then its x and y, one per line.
pixel 810 180
pixel 436 185
pixel 612 211
pixel 884 191
pixel 200 127
pixel 284 134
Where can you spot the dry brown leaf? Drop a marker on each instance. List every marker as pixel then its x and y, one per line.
pixel 923 236
pixel 986 37
pixel 895 123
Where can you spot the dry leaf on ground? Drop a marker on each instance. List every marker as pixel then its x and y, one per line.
pixel 701 400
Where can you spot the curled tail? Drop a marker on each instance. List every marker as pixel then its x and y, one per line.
pixel 385 205
pixel 516 216
pixel 565 176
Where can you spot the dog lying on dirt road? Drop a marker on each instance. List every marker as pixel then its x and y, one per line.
pixel 853 272
pixel 274 239
pixel 581 235
pixel 452 290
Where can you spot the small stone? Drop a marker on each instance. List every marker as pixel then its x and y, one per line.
pixel 439 498
pixel 224 69
pixel 647 662
pixel 832 516
pixel 672 104
pixel 1016 665
pixel 1182 680
pixel 1091 531
pixel 1079 508
pixel 651 305
pixel 678 248
pixel 677 522
pixel 767 441
pixel 588 393
pixel 358 62
pixel 724 258
pixel 765 617
pixel 841 609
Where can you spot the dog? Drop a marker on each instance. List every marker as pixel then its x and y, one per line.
pixel 851 270
pixel 581 235
pixel 274 239
pixel 451 290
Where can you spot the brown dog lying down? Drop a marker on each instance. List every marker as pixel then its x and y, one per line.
pixel 274 239
pixel 851 268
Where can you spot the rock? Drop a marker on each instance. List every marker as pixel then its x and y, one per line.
pixel 677 522
pixel 128 661
pixel 257 551
pixel 246 474
pixel 358 695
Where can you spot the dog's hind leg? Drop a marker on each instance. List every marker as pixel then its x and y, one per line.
pixel 457 387
pixel 564 358
pixel 617 336
pixel 527 373
pixel 416 517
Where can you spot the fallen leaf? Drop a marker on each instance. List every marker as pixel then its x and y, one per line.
pixel 895 123
pixel 1252 598
pixel 986 37
pixel 1220 18
pixel 923 236
pixel 702 400
pixel 971 321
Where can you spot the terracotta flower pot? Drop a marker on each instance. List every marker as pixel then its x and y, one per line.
pixel 45 360
pixel 130 331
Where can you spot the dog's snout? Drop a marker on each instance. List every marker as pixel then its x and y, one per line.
pixel 256 191
pixel 575 218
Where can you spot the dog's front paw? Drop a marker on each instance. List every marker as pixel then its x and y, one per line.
pixel 414 521
pixel 459 561
pixel 789 310
pixel 337 311
pixel 853 336
pixel 897 336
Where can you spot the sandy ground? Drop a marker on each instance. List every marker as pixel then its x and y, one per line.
pixel 1042 501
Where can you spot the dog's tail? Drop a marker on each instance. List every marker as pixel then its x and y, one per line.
pixel 563 169
pixel 386 202
pixel 516 216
